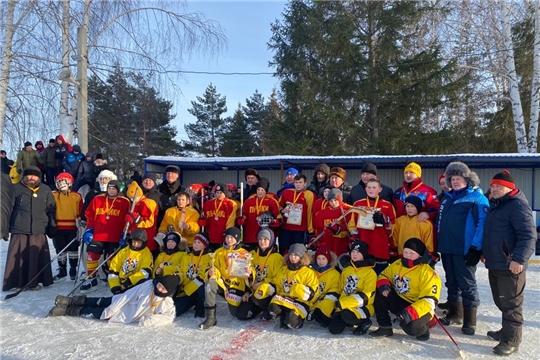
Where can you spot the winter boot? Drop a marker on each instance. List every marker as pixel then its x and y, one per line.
pixel 494 335
pixel 73 268
pixel 58 311
pixel 469 320
pixel 210 318
pixel 70 301
pixel 73 310
pixel 363 327
pixel 424 336
pixel 62 272
pixel 454 314
pixel 382 331
pixel 504 349
pixel 443 306
pixel 199 312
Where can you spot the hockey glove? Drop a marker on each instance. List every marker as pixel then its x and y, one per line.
pixel 51 228
pixel 275 223
pixel 88 235
pixel 378 219
pixel 334 228
pixel 240 221
pixel 123 241
pixel 159 238
pixel 201 222
pixel 473 256
pixel 116 290
pixel 132 218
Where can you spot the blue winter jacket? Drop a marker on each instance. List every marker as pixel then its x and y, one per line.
pixel 460 223
pixel 509 232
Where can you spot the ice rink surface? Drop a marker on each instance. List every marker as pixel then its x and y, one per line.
pixel 26 333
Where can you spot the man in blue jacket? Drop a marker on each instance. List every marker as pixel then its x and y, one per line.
pixel 460 228
pixel 508 243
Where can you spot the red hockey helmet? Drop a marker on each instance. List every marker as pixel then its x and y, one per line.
pixel 64 181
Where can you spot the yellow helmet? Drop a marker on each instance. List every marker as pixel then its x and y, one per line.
pixel 134 190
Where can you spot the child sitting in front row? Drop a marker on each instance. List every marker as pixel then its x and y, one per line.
pixel 358 282
pixel 172 253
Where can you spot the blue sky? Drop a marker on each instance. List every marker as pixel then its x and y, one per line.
pixel 247 28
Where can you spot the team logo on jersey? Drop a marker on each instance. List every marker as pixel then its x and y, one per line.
pixel 193 271
pixel 351 283
pixel 321 287
pixel 260 274
pixel 130 265
pixel 401 284
pixel 287 285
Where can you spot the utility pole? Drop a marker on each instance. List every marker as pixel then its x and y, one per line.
pixel 82 94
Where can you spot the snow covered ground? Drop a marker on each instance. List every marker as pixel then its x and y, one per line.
pixel 26 333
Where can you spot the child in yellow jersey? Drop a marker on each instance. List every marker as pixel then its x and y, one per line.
pixel 267 262
pixel 324 264
pixel 132 265
pixel 170 258
pixel 407 226
pixel 358 282
pixel 296 287
pixel 193 268
pixel 409 289
pixel 219 281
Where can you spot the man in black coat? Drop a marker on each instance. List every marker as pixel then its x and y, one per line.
pixel 171 186
pixel 151 191
pixel 32 217
pixel 7 205
pixel 358 192
pixel 5 162
pixel 508 243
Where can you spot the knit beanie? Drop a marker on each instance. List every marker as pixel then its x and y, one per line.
pixel 32 170
pixel 335 194
pixel 415 245
pixel 202 237
pixel 298 249
pixel 505 179
pixel 170 282
pixel 360 246
pixel 324 251
pixel 414 168
pixel 369 168
pixel 291 171
pixel 99 156
pixel 221 187
pixel 150 176
pixel 416 201
pixel 263 183
pixel 52 141
pixel 115 184
pixel 28 143
pixel 234 232
pixel 457 168
pixel 174 236
pixel 269 234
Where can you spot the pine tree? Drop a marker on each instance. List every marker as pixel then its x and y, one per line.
pixel 238 140
pixel 255 113
pixel 206 134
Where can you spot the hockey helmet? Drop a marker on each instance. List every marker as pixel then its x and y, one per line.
pixel 232 188
pixel 134 191
pixel 64 181
pixel 138 234
pixel 265 219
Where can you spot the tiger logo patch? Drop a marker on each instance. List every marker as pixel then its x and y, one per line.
pixel 401 284
pixel 351 283
pixel 130 265
pixel 260 274
pixel 193 271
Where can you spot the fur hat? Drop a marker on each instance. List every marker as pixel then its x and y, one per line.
pixel 28 143
pixel 250 171
pixel 505 179
pixel 339 172
pixel 172 168
pixel 360 246
pixel 32 170
pixel 202 237
pixel 415 245
pixel 457 168
pixel 335 194
pixel 324 251
pixel 269 234
pixel 325 169
pixel 263 183
pixel 298 249
pixel 414 168
pixel 416 201
pixel 369 168
pixel 170 282
pixel 291 171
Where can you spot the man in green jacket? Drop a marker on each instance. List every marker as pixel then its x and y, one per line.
pixel 27 157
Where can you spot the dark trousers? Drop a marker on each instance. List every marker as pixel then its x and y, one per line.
pixel 93 307
pixel 460 280
pixel 249 309
pixel 508 293
pixel 184 303
pixel 50 172
pixel 79 184
pixel 289 237
pixel 395 304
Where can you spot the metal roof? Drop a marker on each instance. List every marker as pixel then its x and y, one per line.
pixel 511 160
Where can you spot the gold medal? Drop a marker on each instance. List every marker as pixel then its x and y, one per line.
pixel 107 217
pixel 216 218
pixel 35 195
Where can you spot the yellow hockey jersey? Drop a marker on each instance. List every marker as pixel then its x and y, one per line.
pixel 193 269
pixel 175 217
pixel 407 227
pixel 328 291
pixel 68 209
pixel 169 263
pixel 129 267
pixel 357 290
pixel 266 267
pixel 419 285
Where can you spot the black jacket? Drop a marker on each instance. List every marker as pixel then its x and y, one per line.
pixel 160 199
pixel 7 205
pixel 31 214
pixel 5 166
pixel 509 232
pixel 358 192
pixel 170 191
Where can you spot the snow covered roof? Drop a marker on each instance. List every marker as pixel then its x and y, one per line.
pixel 511 160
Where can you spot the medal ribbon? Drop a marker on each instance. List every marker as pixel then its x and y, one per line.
pixel 216 208
pixel 107 207
pixel 414 188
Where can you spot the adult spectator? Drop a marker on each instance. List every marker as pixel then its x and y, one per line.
pixel 289 181
pixel 85 173
pixel 72 161
pixel 444 187
pixel 321 176
pixel 358 192
pixel 151 191
pixel 171 186
pixel 136 177
pixel 252 178
pixel 100 164
pixel 337 181
pixel 5 162
pixel 413 185
pixel 460 230
pixel 27 157
pixel 61 150
pixel 32 217
pixel 508 243
pixel 7 205
pixel 49 161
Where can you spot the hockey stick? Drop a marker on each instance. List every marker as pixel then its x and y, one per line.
pixel 241 209
pixel 9 296
pixel 353 209
pixel 202 206
pixel 81 252
pixel 89 276
pixel 460 351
